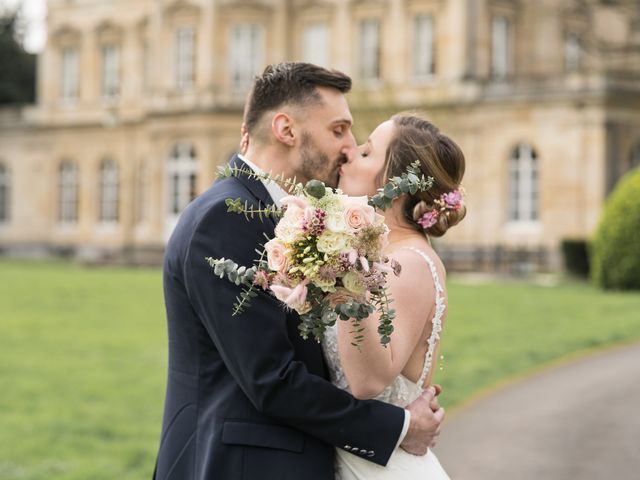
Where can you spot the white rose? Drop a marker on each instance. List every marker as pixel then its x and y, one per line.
pixel 331 242
pixel 335 222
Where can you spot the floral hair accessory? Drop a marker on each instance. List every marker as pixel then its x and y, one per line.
pixel 428 219
pixel 447 201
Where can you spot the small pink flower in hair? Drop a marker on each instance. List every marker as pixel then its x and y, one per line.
pixel 453 200
pixel 428 219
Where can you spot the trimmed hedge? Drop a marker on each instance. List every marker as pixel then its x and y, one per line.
pixel 576 257
pixel 615 261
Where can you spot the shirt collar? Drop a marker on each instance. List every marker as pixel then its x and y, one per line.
pixel 276 192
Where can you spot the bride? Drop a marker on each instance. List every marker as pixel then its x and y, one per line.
pixel 397 374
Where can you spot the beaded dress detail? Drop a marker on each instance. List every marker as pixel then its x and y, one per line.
pixel 400 393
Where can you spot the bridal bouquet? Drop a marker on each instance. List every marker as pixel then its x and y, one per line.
pixel 326 260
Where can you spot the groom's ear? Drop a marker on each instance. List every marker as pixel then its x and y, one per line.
pixel 282 128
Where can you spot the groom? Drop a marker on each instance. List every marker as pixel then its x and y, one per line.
pixel 247 398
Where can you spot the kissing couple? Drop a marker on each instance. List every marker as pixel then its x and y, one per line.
pixel 247 398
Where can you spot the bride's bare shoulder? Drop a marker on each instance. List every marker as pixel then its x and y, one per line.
pixel 407 252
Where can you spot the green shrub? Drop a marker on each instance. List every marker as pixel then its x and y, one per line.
pixel 576 257
pixel 616 246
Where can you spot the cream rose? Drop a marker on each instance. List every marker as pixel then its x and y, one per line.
pixel 331 242
pixel 334 222
pixel 277 255
pixel 358 214
pixel 290 226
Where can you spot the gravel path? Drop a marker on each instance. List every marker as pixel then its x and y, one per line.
pixel 579 420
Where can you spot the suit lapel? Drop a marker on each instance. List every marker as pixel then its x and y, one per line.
pixel 309 351
pixel 256 187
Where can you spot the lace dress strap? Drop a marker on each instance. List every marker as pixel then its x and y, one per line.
pixel 436 321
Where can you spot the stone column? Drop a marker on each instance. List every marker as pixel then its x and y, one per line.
pixel 205 50
pixel 90 68
pixel 342 37
pixel 394 44
pixel 281 41
pixel 131 68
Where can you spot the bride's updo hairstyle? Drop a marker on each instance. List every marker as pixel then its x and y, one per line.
pixel 415 138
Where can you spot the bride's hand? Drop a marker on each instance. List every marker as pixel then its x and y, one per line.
pixel 425 423
pixel 435 406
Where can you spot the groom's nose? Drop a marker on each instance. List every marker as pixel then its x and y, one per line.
pixel 350 140
pixel 350 153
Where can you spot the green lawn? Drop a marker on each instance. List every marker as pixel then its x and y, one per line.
pixel 83 358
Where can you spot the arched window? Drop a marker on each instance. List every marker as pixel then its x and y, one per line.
pixel 182 169
pixel 182 177
pixel 634 156
pixel 501 47
pixel 68 192
pixel 246 54
pixel 523 184
pixel 369 54
pixel 70 70
pixel 5 192
pixel 185 57
pixel 109 191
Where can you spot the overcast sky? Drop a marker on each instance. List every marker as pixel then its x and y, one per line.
pixel 35 12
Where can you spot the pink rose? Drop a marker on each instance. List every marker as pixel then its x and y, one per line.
pixel 341 296
pixel 294 298
pixel 277 255
pixel 358 213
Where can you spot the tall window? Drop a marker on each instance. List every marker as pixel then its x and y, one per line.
pixel 182 171
pixel 316 44
pixel 424 65
pixel 500 47
pixel 108 191
pixel 523 184
pixel 143 193
pixel 110 71
pixel 369 50
pixel 246 55
pixel 70 74
pixel 572 52
pixel 5 192
pixel 68 193
pixel 185 51
pixel 634 156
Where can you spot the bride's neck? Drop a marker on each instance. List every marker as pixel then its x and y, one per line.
pixel 399 228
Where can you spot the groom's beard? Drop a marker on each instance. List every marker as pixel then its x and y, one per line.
pixel 317 165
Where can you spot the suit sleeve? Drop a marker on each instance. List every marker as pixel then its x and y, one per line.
pixel 257 351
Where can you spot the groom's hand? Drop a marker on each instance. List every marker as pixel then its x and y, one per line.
pixel 425 423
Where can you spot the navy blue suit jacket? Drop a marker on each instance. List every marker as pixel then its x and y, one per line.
pixel 246 397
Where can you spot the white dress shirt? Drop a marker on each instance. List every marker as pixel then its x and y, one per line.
pixel 277 193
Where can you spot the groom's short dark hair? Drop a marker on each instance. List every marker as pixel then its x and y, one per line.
pixel 291 83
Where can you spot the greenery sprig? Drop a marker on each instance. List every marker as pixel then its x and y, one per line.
pixel 227 171
pixel 239 275
pixel 249 211
pixel 381 301
pixel 411 182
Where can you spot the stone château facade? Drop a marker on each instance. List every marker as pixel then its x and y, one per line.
pixel 139 101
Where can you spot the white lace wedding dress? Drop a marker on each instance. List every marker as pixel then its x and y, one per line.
pixel 401 392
